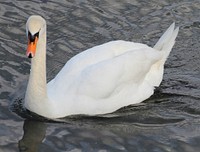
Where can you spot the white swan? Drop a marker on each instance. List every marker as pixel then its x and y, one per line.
pixel 99 80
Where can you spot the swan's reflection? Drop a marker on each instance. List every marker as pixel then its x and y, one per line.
pixel 135 123
pixel 34 133
pixel 111 132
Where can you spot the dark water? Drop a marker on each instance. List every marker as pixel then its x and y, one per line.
pixel 169 121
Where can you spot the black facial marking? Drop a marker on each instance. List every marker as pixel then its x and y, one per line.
pixel 32 37
pixel 36 34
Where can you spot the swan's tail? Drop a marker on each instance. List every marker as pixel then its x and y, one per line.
pixel 164 44
pixel 167 40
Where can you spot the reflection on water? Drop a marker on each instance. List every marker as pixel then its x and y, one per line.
pixel 34 133
pixel 99 134
pixel 169 121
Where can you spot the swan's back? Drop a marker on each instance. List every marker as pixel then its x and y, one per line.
pixel 94 58
pixel 99 53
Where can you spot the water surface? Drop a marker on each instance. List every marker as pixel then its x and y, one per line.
pixel 168 121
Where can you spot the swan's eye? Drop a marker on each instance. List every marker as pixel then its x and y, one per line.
pixel 36 34
pixel 32 37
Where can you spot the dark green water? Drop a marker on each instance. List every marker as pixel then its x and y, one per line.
pixel 168 122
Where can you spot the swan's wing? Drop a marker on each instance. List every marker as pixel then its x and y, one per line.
pixel 100 80
pixel 97 54
pixel 74 68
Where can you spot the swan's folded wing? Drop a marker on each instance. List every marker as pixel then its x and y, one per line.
pixel 102 79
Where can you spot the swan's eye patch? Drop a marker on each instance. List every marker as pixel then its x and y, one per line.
pixel 32 37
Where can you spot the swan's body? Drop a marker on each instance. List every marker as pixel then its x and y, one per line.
pixel 99 80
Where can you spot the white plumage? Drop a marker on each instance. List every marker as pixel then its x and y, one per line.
pixel 99 80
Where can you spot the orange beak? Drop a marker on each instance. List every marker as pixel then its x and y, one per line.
pixel 31 49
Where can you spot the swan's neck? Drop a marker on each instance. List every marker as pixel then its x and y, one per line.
pixel 37 89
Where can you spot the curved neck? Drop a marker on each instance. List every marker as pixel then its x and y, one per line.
pixel 36 88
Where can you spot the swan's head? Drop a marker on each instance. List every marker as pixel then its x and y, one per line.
pixel 35 27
